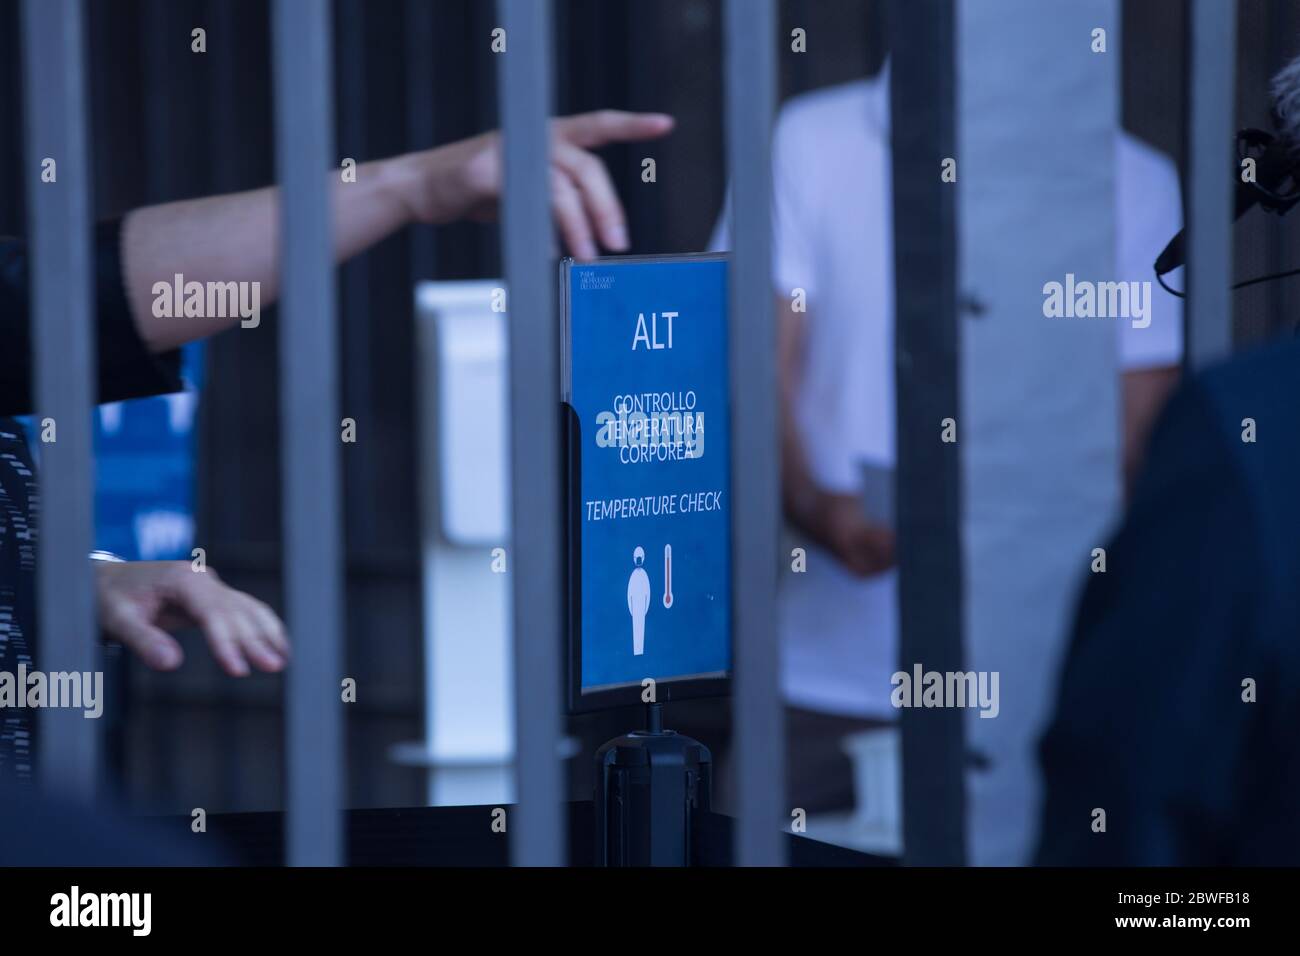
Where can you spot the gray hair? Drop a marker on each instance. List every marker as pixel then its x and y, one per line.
pixel 1286 100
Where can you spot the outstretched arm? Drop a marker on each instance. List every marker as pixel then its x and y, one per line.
pixel 235 238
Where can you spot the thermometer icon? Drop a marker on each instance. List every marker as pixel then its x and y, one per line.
pixel 668 575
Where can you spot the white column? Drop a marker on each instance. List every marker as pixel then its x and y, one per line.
pixel 1038 113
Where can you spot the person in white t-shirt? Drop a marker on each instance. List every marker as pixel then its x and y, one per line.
pixel 833 239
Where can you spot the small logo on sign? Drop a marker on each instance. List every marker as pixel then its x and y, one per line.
pixel 588 280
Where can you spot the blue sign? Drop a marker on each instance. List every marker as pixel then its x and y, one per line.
pixel 144 471
pixel 646 376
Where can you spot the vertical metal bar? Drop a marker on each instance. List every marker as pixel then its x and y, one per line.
pixel 162 20
pixel 758 717
pixel 536 532
pixel 484 94
pixel 927 363
pixel 11 117
pixel 62 318
pixel 356 285
pixel 1211 74
pixel 304 144
pixel 421 31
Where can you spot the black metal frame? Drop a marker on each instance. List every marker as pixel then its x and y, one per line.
pixel 927 382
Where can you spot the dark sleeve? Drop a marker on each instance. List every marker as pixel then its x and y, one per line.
pixel 126 368
pixel 1150 726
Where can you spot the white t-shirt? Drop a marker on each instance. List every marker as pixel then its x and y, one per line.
pixel 833 238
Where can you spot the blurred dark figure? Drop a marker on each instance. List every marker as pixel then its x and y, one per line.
pixel 1179 705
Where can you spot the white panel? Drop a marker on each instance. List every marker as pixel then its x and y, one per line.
pixel 469 637
pixel 469 741
pixel 471 413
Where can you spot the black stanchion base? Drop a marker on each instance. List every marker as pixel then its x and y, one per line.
pixel 650 785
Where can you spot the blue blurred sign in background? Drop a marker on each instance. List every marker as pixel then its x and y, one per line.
pixel 144 471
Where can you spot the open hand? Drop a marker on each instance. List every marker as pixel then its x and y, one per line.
pixel 463 179
pixel 864 548
pixel 139 601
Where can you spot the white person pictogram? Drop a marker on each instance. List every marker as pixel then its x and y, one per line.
pixel 638 600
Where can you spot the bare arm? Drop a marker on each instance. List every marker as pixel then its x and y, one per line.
pixel 835 521
pixel 799 492
pixel 235 238
pixel 1144 393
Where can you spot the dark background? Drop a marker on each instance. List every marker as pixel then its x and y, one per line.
pixel 169 124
